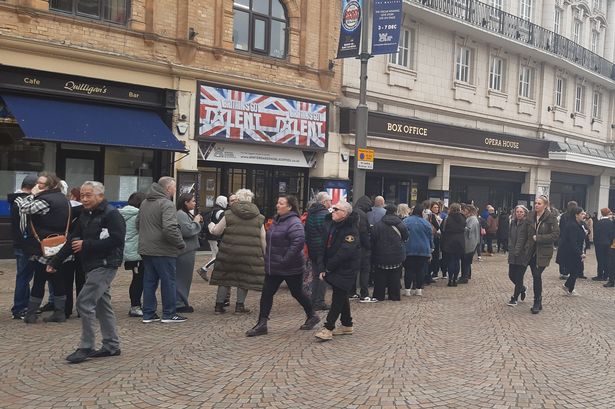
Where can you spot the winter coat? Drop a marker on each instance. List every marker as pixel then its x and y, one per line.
pixel 18 236
pixel 472 234
pixel 388 243
pixel 362 207
pixel 103 231
pixel 503 226
pixel 571 247
pixel 285 241
pixel 131 244
pixel 420 241
pixel 546 231
pixel 159 233
pixel 190 231
pixel 342 253
pixel 50 223
pixel 492 225
pixel 562 226
pixel 315 230
pixel 603 232
pixel 453 234
pixel 519 243
pixel 240 261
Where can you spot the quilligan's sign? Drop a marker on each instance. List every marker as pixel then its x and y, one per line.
pixel 234 115
pixel 395 127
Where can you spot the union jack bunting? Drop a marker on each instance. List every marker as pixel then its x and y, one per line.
pixel 229 114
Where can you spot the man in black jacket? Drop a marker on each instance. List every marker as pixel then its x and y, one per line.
pixel 602 242
pixel 315 238
pixel 361 208
pixel 99 237
pixel 25 268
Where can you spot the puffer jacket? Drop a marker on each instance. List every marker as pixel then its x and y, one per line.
pixel 131 245
pixel 519 242
pixel 285 241
pixel 315 230
pixel 388 237
pixel 546 230
pixel 342 254
pixel 159 233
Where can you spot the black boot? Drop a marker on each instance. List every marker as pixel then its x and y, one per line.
pixel 259 329
pixel 219 308
pixel 33 305
pixel 537 307
pixel 240 308
pixel 609 284
pixel 59 312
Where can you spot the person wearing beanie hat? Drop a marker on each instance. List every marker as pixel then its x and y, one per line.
pixel 604 230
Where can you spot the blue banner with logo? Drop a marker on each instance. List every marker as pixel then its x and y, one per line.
pixel 350 30
pixel 386 26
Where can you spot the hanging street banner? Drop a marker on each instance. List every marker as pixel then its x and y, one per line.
pixel 386 26
pixel 350 30
pixel 233 115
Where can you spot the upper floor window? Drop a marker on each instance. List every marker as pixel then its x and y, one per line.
pixel 597 4
pixel 560 92
pixel 404 51
pixel 113 11
pixel 525 9
pixel 526 78
pixel 557 20
pixel 496 7
pixel 260 26
pixel 577 30
pixel 597 105
pixel 579 95
pixel 496 74
pixel 595 44
pixel 462 64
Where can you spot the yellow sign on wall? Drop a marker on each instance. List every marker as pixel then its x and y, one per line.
pixel 365 159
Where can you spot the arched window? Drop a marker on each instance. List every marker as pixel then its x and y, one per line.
pixel 260 26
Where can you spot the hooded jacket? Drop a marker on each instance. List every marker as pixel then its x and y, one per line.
pixel 131 244
pixel 361 208
pixel 342 253
pixel 316 230
pixel 388 243
pixel 240 261
pixel 519 242
pixel 453 234
pixel 159 233
pixel 285 242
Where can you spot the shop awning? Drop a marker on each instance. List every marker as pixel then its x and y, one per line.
pixel 581 154
pixel 66 121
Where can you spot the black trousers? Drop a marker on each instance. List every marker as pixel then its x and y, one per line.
pixel 434 264
pixel 136 285
pixel 466 265
pixel 295 285
pixel 444 261
pixel 537 278
pixel 572 279
pixel 602 257
pixel 611 264
pixel 414 275
pixel 516 273
pixel 57 279
pixel 340 305
pixel 387 280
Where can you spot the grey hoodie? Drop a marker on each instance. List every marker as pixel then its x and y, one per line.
pixel 159 233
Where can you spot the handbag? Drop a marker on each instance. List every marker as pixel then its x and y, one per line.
pixel 51 245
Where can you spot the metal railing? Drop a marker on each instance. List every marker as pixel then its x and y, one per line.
pixel 517 29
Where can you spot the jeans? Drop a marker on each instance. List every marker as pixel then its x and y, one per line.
pixel 223 291
pixel 466 265
pixel 94 302
pixel 339 306
pixel 602 257
pixel 159 269
pixel 537 278
pixel 387 279
pixel 453 267
pixel 25 272
pixel 489 241
pixel 295 285
pixel 413 275
pixel 136 285
pixel 516 273
pixel 319 287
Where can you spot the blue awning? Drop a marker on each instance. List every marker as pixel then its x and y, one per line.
pixel 65 121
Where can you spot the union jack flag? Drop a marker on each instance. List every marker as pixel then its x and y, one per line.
pixel 229 114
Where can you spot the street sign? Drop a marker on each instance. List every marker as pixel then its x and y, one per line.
pixel 365 159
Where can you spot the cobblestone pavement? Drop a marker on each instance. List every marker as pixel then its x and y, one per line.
pixel 454 347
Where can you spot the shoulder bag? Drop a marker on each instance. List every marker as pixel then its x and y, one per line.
pixel 51 245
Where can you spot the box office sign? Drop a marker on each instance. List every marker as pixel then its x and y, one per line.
pixel 400 128
pixel 227 114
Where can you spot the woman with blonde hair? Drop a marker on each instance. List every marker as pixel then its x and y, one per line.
pixel 403 211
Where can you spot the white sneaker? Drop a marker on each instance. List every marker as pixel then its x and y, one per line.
pixel 566 290
pixel 480 258
pixel 408 292
pixel 419 292
pixel 574 293
pixel 368 299
pixel 135 311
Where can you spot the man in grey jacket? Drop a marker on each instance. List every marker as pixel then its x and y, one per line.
pixel 159 243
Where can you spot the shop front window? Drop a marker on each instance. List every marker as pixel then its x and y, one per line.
pixel 127 171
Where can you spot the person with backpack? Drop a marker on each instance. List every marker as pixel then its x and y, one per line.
pixel 214 216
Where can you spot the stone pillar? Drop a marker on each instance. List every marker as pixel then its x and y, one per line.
pixel 609 41
pixel 598 193
pixel 439 184
pixel 537 182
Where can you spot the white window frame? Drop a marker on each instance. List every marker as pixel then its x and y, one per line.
pixel 597 105
pixel 557 17
pixel 404 56
pixel 595 41
pixel 526 79
pixel 577 30
pixel 579 97
pixel 496 73
pixel 496 8
pixel 463 64
pixel 560 92
pixel 525 9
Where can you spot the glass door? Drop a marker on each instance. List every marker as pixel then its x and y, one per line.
pixel 75 167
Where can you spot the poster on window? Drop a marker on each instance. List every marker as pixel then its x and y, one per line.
pixel 386 26
pixel 227 114
pixel 350 29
